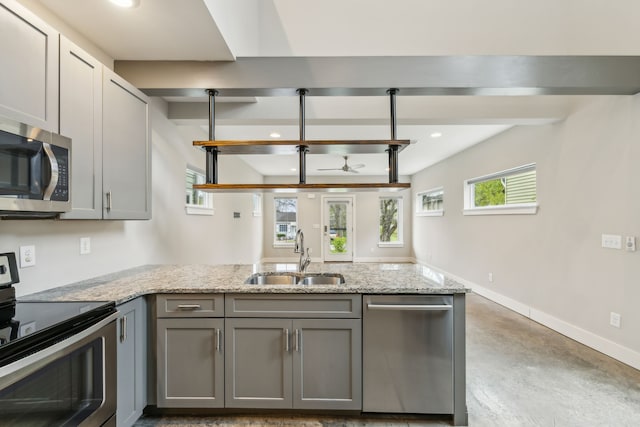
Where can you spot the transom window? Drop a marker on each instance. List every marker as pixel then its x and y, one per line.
pixel 430 202
pixel 513 191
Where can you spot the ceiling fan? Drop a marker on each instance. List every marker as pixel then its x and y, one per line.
pixel 346 167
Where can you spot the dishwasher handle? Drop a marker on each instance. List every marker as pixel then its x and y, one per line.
pixel 410 307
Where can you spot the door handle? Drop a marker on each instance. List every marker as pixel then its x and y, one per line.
pixel 53 165
pixel 123 328
pixel 108 207
pixel 218 339
pixel 297 344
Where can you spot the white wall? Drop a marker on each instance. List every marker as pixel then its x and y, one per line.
pixel 365 220
pixel 170 236
pixel 551 266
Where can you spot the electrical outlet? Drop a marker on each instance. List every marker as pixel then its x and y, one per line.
pixel 27 256
pixel 612 241
pixel 630 243
pixel 85 245
pixel 614 319
pixel 490 277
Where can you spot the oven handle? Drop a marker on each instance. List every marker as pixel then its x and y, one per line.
pixel 39 359
pixel 53 162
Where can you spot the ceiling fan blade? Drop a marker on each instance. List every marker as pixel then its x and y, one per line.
pixel 358 166
pixel 352 170
pixel 329 169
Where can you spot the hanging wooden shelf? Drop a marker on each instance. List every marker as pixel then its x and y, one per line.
pixel 314 146
pixel 295 188
pixel 302 147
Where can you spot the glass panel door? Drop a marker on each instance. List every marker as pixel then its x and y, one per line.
pixel 338 229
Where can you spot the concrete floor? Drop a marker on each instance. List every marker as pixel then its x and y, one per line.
pixel 519 373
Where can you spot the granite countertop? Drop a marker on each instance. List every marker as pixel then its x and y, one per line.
pixel 360 278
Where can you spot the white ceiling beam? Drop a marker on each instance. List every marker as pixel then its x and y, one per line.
pixel 372 76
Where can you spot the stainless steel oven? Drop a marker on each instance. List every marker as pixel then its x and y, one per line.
pixel 34 171
pixel 64 374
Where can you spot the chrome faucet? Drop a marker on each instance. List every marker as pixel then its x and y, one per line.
pixel 299 249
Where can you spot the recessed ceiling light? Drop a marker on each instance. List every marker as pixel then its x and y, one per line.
pixel 293 169
pixel 436 134
pixel 274 135
pixel 126 3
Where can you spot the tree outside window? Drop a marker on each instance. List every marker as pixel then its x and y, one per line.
pixel 390 221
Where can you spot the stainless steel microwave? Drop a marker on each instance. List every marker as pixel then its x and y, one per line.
pixel 35 171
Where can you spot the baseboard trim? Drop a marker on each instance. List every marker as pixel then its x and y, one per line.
pixel 391 260
pixel 596 342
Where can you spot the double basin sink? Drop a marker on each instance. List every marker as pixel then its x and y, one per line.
pixel 278 278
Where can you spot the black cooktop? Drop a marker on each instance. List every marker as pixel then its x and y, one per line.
pixel 40 324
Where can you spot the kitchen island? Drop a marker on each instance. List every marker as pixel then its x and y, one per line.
pixel 294 346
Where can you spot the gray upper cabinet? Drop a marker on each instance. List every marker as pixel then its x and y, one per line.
pixel 29 57
pixel 81 120
pixel 126 150
pixel 132 361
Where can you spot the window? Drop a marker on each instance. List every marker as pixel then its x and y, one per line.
pixel 430 203
pixel 197 202
pixel 508 192
pixel 390 222
pixel 257 204
pixel 286 221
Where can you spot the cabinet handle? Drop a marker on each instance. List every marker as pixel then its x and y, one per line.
pixel 297 338
pixel 123 328
pixel 409 307
pixel 188 306
pixel 286 340
pixel 108 207
pixel 218 339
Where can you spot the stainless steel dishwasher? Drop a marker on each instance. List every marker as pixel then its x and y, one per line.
pixel 408 354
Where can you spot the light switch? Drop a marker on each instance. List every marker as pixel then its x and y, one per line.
pixel 612 241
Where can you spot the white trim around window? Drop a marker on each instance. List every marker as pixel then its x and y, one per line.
pixel 197 202
pixel 504 209
pixel 420 211
pixel 399 243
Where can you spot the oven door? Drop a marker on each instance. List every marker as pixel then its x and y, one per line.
pixel 71 383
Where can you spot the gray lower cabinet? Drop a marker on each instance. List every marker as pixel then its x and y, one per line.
pixel 189 351
pixel 277 362
pixel 190 363
pixel 132 361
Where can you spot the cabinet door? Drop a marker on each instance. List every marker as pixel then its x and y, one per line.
pixel 29 56
pixel 190 363
pixel 126 150
pixel 258 363
pixel 132 361
pixel 81 120
pixel 327 364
